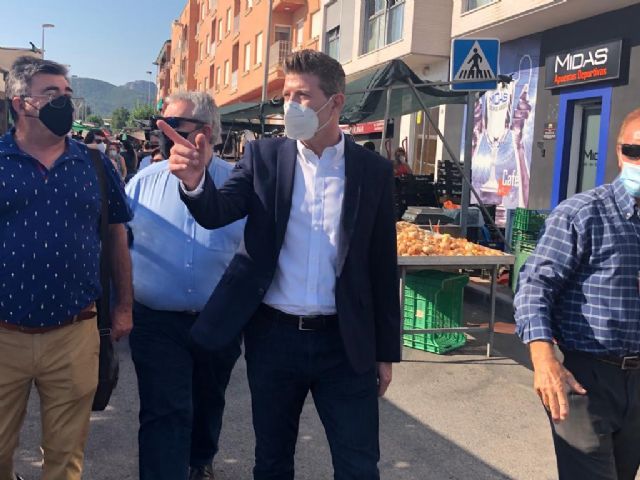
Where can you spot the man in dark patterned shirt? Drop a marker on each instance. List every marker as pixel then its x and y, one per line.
pixel 49 269
pixel 581 289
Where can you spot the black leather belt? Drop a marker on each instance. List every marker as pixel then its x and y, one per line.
pixel 303 322
pixel 628 362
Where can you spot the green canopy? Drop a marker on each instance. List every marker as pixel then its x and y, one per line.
pixel 366 96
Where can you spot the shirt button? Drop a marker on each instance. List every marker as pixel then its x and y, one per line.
pixel 188 240
pixel 190 290
pixel 188 265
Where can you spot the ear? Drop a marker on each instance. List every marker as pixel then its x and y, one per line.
pixel 208 131
pixel 619 154
pixel 339 99
pixel 17 104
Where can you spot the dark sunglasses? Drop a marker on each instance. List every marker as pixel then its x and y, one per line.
pixel 174 122
pixel 630 150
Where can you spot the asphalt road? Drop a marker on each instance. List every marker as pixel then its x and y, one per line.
pixel 456 416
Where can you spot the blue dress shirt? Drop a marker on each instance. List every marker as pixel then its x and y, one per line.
pixel 581 284
pixel 176 262
pixel 49 233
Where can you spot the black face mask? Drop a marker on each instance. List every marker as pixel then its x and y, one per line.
pixel 57 115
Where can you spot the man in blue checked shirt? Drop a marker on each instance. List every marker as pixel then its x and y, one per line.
pixel 176 265
pixel 581 289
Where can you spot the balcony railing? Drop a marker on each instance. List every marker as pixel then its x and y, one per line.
pixel 278 52
pixel 234 80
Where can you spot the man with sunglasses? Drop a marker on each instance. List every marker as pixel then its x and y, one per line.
pixel 49 274
pixel 580 289
pixel 176 265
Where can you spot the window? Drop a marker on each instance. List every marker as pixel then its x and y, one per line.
pixel 220 30
pixel 383 23
pixel 333 43
pixel 229 19
pixel 299 33
pixel 208 44
pixel 212 4
pixel 468 5
pixel 247 57
pixel 217 77
pixel 227 71
pixel 316 25
pixel 206 82
pixel 259 48
pixel 212 72
pixel 203 11
pixel 249 4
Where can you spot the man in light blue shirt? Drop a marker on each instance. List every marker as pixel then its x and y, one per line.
pixel 176 265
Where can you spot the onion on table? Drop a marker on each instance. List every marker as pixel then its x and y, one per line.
pixel 415 241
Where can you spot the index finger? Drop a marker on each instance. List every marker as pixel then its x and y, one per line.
pixel 172 135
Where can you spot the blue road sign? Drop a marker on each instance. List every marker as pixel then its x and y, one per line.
pixel 474 61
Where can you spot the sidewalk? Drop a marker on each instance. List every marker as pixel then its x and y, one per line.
pixel 457 416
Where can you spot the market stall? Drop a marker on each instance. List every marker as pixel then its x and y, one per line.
pixel 420 250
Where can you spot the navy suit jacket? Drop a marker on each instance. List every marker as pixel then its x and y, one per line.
pixel 260 188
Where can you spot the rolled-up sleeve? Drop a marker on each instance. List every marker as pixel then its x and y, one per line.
pixel 545 275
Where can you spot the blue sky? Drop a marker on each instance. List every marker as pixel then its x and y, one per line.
pixel 112 40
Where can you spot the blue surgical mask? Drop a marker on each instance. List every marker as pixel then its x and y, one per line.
pixel 630 177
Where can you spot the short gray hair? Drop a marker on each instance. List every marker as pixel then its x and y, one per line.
pixel 204 109
pixel 25 68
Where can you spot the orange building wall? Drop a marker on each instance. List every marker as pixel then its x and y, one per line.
pixel 202 62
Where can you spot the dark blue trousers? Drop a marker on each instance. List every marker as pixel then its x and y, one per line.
pixel 181 394
pixel 284 364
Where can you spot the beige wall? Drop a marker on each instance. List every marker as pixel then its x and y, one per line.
pixel 8 56
pixel 510 19
pixel 425 39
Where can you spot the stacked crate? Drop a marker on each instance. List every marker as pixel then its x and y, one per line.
pixel 449 181
pixel 433 299
pixel 525 231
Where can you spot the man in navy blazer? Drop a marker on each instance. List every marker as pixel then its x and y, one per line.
pixel 314 285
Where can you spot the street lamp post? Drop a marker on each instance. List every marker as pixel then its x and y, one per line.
pixel 149 91
pixel 45 25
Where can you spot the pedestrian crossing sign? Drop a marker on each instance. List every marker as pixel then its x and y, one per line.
pixel 474 63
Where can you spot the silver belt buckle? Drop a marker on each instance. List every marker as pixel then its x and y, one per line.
pixel 301 320
pixel 631 363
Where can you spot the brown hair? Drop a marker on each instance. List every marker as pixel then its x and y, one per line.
pixel 327 69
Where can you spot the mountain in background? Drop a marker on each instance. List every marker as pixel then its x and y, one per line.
pixel 104 98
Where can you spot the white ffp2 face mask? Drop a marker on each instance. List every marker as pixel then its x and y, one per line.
pixel 102 147
pixel 301 122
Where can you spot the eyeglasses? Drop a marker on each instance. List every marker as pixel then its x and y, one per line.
pixel 59 101
pixel 174 122
pixel 630 150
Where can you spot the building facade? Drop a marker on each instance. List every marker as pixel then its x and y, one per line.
pixel 222 46
pixel 367 34
pixel 551 131
pixel 7 57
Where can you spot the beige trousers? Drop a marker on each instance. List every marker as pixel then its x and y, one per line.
pixel 63 364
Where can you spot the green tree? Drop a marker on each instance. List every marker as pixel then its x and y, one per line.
pixel 120 118
pixel 97 119
pixel 142 112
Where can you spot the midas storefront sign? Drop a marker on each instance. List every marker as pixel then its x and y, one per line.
pixel 585 65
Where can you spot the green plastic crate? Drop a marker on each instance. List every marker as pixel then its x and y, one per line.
pixel 433 299
pixel 531 221
pixel 521 259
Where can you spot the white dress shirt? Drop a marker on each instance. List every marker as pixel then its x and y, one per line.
pixel 305 279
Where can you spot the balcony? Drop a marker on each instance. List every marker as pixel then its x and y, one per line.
pixel 288 6
pixel 234 80
pixel 278 52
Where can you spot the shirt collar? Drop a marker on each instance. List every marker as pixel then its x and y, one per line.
pixel 626 203
pixel 334 152
pixel 73 149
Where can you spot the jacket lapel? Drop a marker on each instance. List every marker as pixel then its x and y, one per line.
pixel 285 170
pixel 353 172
